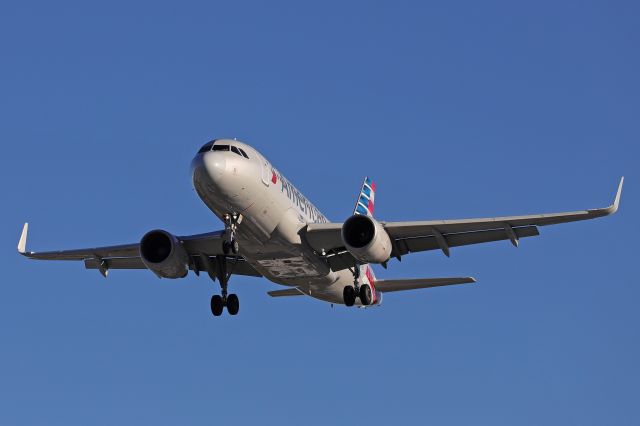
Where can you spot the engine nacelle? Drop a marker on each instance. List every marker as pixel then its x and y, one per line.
pixel 366 239
pixel 163 254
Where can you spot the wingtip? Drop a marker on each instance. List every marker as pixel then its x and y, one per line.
pixel 616 203
pixel 22 243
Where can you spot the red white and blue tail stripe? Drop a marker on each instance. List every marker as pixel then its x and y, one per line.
pixel 365 202
pixel 364 206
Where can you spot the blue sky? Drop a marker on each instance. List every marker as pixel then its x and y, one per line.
pixel 465 109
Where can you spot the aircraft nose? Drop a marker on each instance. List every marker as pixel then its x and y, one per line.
pixel 215 165
pixel 209 170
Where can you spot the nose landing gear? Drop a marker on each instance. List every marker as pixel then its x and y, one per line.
pixel 231 222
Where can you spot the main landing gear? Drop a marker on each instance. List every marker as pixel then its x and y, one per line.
pixel 218 302
pixel 230 244
pixel 350 293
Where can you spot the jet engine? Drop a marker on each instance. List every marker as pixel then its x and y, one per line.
pixel 163 254
pixel 366 239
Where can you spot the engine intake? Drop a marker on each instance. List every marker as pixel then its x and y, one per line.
pixel 366 239
pixel 163 254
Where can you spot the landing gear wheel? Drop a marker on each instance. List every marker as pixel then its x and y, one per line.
pixel 217 305
pixel 233 304
pixel 365 295
pixel 230 247
pixel 349 294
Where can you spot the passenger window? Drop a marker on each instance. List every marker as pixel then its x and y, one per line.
pixel 244 154
pixel 221 147
pixel 206 147
pixel 234 149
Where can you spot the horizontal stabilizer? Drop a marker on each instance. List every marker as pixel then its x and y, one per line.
pixel 386 286
pixel 287 292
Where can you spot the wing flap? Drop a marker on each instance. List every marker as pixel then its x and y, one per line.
pixel 116 263
pixel 429 242
pixel 237 265
pixel 386 286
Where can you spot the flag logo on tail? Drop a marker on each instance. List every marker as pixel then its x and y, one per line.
pixel 366 200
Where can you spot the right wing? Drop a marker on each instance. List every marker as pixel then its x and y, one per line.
pixel 410 237
pixel 127 256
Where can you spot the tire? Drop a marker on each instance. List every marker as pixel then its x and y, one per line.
pixel 235 247
pixel 226 247
pixel 349 294
pixel 365 295
pixel 233 304
pixel 217 305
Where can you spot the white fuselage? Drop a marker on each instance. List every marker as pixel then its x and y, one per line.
pixel 272 213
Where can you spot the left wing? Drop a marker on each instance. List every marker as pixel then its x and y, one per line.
pixel 410 237
pixel 127 256
pixel 387 286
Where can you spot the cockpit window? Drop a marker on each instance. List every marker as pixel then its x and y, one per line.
pixel 221 147
pixel 234 149
pixel 206 147
pixel 244 154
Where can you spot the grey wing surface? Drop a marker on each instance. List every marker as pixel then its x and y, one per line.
pixel 411 237
pixel 200 247
pixel 387 286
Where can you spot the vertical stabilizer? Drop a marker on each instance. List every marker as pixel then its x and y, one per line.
pixel 364 206
pixel 366 199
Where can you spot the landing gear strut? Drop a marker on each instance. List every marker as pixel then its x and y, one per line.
pixel 350 293
pixel 230 244
pixel 218 302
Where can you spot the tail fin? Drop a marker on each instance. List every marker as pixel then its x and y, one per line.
pixel 365 202
pixel 364 206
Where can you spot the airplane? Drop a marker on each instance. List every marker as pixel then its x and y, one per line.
pixel 272 230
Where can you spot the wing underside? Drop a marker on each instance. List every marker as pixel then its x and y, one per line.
pixel 410 237
pixel 127 256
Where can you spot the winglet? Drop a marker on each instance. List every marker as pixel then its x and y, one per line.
pixel 22 244
pixel 616 202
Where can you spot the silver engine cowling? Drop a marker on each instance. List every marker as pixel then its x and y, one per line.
pixel 163 254
pixel 366 239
